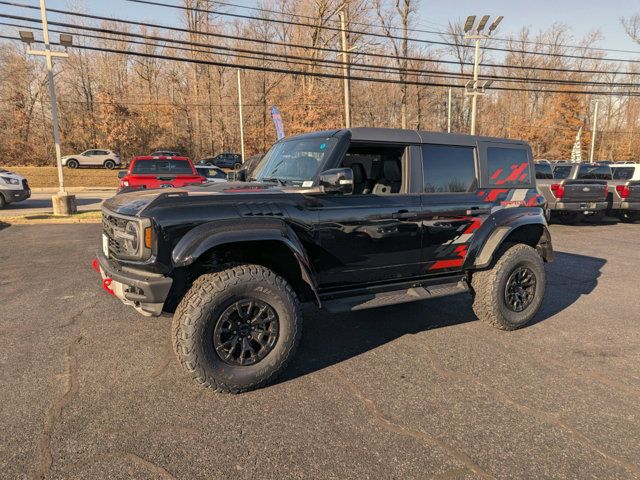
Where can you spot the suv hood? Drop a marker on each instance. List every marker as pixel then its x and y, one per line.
pixel 8 174
pixel 134 203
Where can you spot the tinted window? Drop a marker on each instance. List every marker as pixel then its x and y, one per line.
pixel 543 171
pixel 175 167
pixel 562 171
pixel 448 169
pixel 508 166
pixel 622 173
pixel 594 172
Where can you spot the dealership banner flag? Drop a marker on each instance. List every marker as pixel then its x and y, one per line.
pixel 277 121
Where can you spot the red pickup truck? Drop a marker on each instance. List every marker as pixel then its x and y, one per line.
pixel 160 172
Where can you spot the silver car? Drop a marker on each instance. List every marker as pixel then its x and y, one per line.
pixel 92 158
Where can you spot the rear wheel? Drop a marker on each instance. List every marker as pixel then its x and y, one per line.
pixel 629 216
pixel 509 295
pixel 73 163
pixel 3 202
pixel 236 330
pixel 110 164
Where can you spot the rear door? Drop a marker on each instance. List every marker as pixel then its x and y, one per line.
pixel 452 210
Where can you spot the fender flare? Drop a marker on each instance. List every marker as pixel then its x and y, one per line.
pixel 212 234
pixel 498 227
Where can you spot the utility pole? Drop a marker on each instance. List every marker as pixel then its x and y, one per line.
pixel 241 118
pixel 63 203
pixel 345 67
pixel 593 131
pixel 472 87
pixel 449 112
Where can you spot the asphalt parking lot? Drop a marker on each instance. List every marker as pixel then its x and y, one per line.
pixel 90 389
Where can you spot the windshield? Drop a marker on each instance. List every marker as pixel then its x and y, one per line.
pixel 295 161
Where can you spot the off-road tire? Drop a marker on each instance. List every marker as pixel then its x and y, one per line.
pixel 489 286
pixel 109 164
pixel 200 309
pixel 72 163
pixel 629 217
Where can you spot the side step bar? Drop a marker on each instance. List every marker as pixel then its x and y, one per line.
pixel 413 294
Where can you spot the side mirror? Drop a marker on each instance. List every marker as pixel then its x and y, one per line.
pixel 337 180
pixel 122 174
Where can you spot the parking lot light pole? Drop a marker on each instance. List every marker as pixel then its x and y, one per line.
pixel 472 87
pixel 594 128
pixel 241 117
pixel 63 203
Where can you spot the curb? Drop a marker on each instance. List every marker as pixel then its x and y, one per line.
pixel 53 190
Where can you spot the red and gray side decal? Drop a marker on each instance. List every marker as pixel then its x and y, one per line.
pixel 453 253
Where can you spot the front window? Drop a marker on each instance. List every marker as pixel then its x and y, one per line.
pixel 212 173
pixel 295 161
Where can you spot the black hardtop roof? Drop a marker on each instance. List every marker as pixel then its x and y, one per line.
pixel 398 135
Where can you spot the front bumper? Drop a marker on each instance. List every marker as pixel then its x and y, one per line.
pixel 16 195
pixel 578 206
pixel 144 291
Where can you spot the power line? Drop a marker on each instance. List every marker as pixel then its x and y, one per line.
pixel 289 59
pixel 304 47
pixel 331 75
pixel 418 30
pixel 377 35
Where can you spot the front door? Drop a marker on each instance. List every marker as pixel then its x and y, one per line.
pixel 374 234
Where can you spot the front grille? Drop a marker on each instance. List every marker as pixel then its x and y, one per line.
pixel 111 224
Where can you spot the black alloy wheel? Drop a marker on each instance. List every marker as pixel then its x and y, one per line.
pixel 520 289
pixel 246 332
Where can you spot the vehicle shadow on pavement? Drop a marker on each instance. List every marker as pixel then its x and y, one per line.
pixel 331 339
pixel 46 203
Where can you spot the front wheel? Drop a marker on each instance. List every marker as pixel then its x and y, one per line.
pixel 236 330
pixel 509 295
pixel 72 163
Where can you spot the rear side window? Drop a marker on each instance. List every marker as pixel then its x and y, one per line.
pixel 543 171
pixel 594 172
pixel 175 167
pixel 508 166
pixel 448 169
pixel 622 173
pixel 562 171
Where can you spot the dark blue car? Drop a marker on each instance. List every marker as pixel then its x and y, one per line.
pixel 224 160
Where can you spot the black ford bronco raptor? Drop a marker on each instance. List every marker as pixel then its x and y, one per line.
pixel 346 219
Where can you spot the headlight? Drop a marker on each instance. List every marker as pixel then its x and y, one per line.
pixel 11 181
pixel 132 238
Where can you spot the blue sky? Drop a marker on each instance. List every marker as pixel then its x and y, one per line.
pixel 583 16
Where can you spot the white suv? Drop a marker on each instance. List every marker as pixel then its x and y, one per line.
pixel 92 158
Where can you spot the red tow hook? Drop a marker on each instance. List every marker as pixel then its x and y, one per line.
pixel 95 265
pixel 106 283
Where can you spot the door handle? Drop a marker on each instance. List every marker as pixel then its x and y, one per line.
pixel 404 215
